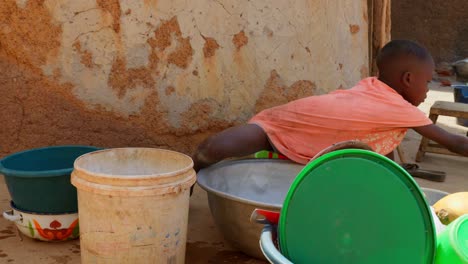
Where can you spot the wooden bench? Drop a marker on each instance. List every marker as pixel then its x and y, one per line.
pixel 445 109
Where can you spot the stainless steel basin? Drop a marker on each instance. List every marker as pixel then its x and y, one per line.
pixel 433 195
pixel 236 188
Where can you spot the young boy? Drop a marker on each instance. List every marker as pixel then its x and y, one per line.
pixel 377 111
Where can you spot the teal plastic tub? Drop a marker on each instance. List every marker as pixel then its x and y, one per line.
pixel 38 180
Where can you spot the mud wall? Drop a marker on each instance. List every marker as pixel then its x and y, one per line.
pixel 442 26
pixel 165 73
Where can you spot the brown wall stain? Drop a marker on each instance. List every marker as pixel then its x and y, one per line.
pixel 163 34
pixel 113 7
pixel 163 37
pixel 210 47
pixel 87 59
pixel 213 78
pixel 153 60
pixel 240 39
pixel 275 92
pixel 354 29
pixel 182 56
pixel 86 56
pixel 28 34
pixel 169 90
pixel 121 78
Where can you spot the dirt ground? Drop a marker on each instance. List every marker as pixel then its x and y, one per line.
pixel 205 243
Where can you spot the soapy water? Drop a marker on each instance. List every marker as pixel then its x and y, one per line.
pixel 261 181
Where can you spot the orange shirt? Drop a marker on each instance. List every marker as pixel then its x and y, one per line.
pixel 371 112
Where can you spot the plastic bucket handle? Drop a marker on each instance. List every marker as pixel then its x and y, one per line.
pixel 10 216
pixel 268 247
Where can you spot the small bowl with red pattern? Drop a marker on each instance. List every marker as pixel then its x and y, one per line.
pixel 45 227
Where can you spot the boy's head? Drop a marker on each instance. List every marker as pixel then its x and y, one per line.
pixel 406 67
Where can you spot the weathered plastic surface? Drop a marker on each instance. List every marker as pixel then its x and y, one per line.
pixel 133 205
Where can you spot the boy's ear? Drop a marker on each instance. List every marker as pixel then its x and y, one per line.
pixel 406 78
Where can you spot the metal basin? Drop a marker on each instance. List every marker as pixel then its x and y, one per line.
pixel 236 188
pixel 433 195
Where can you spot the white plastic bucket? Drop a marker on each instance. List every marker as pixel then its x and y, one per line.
pixel 133 205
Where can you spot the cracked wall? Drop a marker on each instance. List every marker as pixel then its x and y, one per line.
pixel 165 73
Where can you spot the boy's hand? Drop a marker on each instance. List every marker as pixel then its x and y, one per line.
pixel 455 143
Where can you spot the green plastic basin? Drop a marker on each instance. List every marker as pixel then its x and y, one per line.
pixel 38 180
pixel 452 244
pixel 356 206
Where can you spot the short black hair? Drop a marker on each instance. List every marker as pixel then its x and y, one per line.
pixel 398 48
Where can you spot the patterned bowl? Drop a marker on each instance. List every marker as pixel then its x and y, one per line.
pixel 45 227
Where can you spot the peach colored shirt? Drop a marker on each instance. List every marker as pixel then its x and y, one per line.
pixel 371 112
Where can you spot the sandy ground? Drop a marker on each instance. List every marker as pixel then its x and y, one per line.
pixel 205 243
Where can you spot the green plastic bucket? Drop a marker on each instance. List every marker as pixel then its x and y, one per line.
pixel 38 180
pixel 452 244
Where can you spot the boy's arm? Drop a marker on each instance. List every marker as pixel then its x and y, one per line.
pixel 454 143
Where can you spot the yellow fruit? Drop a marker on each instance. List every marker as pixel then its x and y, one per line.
pixel 451 207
